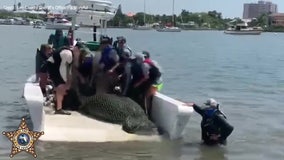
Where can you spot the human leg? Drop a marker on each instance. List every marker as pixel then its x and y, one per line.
pixel 60 92
pixel 43 82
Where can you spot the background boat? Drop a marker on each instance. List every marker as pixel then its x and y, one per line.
pixel 145 26
pixel 91 13
pixel 173 27
pixel 243 29
pixel 169 29
pixel 55 23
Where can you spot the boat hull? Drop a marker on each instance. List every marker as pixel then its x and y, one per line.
pixel 169 30
pixel 60 26
pixel 142 28
pixel 243 32
pixel 168 114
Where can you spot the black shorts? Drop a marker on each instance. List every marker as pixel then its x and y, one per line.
pixel 54 75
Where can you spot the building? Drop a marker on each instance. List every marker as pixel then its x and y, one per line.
pixel 254 10
pixel 276 19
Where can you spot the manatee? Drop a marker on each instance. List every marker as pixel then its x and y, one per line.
pixel 119 110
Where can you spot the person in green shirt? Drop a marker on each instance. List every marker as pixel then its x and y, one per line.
pixel 58 40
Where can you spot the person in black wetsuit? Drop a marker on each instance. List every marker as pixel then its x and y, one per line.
pixel 215 128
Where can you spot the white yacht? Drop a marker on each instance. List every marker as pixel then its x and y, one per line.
pixel 169 29
pixel 145 26
pixel 56 23
pixel 91 12
pixel 172 28
pixel 243 29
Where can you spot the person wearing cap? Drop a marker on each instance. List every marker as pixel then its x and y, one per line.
pixel 135 76
pixel 59 69
pixel 154 83
pixel 120 45
pixel 109 58
pixel 107 61
pixel 58 40
pixel 41 66
pixel 125 74
pixel 214 125
pixel 155 70
pixel 83 71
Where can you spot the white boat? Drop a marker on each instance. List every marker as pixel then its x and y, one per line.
pixel 145 26
pixel 170 115
pixel 243 29
pixel 169 29
pixel 91 12
pixel 62 23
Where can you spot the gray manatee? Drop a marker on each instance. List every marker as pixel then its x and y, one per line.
pixel 119 110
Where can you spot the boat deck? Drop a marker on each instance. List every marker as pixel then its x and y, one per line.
pixel 78 128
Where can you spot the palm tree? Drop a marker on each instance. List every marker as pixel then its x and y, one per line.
pixel 19 5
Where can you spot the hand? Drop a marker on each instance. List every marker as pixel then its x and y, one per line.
pixel 119 77
pixel 110 71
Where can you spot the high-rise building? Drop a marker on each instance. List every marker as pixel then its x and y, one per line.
pixel 254 10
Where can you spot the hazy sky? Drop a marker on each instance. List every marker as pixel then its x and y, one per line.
pixel 229 8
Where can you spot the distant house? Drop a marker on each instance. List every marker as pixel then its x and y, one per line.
pixel 276 19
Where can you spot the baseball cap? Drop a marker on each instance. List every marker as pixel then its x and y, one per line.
pixel 211 102
pixel 105 40
pixel 138 56
pixel 146 54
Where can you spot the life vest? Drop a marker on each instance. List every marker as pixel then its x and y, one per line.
pixel 106 60
pixel 154 72
pixel 86 67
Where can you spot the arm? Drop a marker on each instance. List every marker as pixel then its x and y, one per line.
pixel 145 69
pixel 113 55
pixel 66 41
pixel 69 75
pixel 127 81
pixel 37 62
pixel 198 109
pixel 50 39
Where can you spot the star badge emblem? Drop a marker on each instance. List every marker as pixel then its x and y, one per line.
pixel 23 139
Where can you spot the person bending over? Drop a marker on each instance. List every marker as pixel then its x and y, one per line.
pixel 215 128
pixel 59 68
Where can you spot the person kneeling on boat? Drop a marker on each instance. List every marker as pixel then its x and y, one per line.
pixel 41 66
pixel 134 75
pixel 124 52
pixel 58 40
pixel 155 69
pixel 83 70
pixel 154 83
pixel 214 125
pixel 59 69
pixel 108 62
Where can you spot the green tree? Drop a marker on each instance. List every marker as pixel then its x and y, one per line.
pixel 19 5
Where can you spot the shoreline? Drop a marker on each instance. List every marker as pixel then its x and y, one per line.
pixel 184 29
